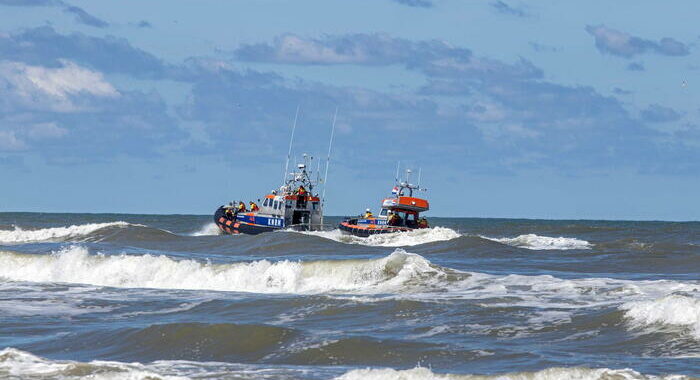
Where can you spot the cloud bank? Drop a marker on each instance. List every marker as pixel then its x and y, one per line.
pixel 621 44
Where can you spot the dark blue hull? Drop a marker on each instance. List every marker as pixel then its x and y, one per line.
pixel 241 224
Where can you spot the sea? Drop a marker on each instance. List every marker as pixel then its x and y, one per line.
pixel 111 296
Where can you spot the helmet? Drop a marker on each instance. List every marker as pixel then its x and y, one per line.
pixel 368 210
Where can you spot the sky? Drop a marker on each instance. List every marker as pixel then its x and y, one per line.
pixel 538 109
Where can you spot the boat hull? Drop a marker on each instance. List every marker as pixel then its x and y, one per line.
pixel 367 230
pixel 239 225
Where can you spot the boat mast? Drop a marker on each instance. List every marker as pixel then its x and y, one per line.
pixel 398 165
pixel 328 161
pixel 289 153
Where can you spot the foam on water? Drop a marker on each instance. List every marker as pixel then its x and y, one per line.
pixel 399 239
pixel 398 275
pixel 209 229
pixel 675 310
pixel 19 364
pixel 392 273
pixel 536 242
pixel 19 235
pixel 575 373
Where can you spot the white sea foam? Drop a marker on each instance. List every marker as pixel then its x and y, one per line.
pixel 399 274
pixel 536 242
pixel 76 265
pixel 19 235
pixel 675 310
pixel 575 373
pixel 399 239
pixel 17 364
pixel 209 229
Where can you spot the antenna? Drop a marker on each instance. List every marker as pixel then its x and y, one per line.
pixel 398 165
pixel 289 153
pixel 328 161
pixel 318 173
pixel 420 170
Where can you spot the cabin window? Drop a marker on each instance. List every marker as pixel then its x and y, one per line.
pixel 383 212
pixel 265 202
pixel 277 205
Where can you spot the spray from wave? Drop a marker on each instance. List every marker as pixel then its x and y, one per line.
pixel 393 273
pixel 19 235
pixel 209 229
pixel 536 242
pixel 399 239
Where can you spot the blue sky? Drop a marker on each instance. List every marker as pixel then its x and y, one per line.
pixel 512 109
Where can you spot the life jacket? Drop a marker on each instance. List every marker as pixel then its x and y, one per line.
pixel 254 207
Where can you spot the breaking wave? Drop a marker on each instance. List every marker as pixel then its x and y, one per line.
pixel 209 229
pixel 400 274
pixel 19 235
pixel 75 265
pixel 576 373
pixel 674 310
pixel 399 239
pixel 17 364
pixel 536 242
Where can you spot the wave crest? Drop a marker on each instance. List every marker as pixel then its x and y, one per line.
pixel 536 242
pixel 19 235
pixel 76 265
pixel 675 310
pixel 398 239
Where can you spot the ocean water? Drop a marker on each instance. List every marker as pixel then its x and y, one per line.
pixel 107 296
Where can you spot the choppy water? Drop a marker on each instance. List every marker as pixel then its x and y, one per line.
pixel 159 297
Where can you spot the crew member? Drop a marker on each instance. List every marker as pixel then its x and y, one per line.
pixel 241 206
pixel 368 214
pixel 422 223
pixel 394 219
pixel 301 196
pixel 254 207
pixel 229 213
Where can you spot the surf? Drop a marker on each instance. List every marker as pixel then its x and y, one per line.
pixel 19 235
pixel 76 265
pixel 537 242
pixel 397 239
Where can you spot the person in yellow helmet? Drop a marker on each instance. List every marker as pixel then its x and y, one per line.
pixel 368 214
pixel 254 207
pixel 241 207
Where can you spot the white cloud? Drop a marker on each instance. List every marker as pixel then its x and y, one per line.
pixel 296 49
pixel 53 89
